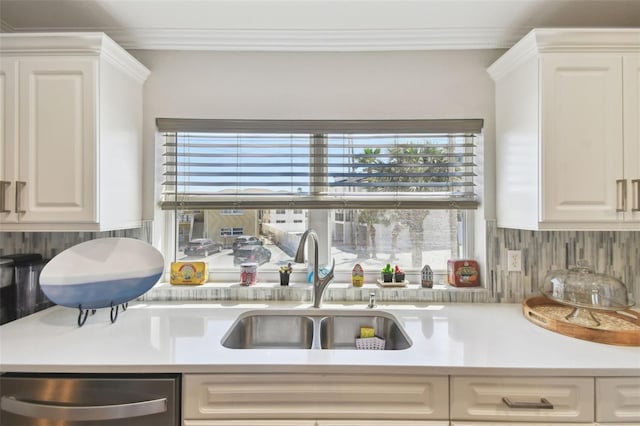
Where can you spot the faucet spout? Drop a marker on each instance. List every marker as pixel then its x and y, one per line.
pixel 319 284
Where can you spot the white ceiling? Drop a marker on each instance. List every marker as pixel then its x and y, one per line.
pixel 342 25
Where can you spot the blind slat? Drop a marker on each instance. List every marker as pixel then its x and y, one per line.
pixel 257 203
pixel 336 184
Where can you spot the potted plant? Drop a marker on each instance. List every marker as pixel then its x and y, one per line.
pixel 387 274
pixel 398 275
pixel 285 272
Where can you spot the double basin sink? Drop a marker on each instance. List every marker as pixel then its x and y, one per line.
pixel 312 329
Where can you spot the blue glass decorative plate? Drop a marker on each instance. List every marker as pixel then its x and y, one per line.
pixel 102 273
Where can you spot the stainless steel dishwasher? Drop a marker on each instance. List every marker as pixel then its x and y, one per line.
pixel 84 400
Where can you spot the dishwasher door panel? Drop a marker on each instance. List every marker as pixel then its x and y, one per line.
pixel 80 400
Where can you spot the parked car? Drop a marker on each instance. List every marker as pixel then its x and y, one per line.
pixel 202 247
pixel 249 253
pixel 245 240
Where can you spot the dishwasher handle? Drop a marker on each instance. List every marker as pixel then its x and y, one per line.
pixel 82 413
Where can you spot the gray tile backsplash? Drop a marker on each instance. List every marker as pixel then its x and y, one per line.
pixel 612 253
pixel 615 253
pixel 49 244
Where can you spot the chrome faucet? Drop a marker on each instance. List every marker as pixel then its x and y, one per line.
pixel 319 284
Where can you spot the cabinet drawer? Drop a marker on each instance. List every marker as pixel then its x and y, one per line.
pixel 245 422
pixel 315 396
pixel 383 423
pixel 476 423
pixel 618 399
pixel 535 399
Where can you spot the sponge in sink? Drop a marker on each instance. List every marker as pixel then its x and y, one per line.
pixel 367 332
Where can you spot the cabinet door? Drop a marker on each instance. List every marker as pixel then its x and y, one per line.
pixel 618 400
pixel 315 396
pixel 632 135
pixel 57 166
pixel 519 424
pixel 382 423
pixel 8 138
pixel 297 422
pixel 582 141
pixel 522 399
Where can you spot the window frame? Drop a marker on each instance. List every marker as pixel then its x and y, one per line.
pixel 319 220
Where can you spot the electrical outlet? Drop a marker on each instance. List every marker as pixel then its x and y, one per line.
pixel 514 260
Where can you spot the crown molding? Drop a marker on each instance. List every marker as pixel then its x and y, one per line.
pixel 309 40
pixel 319 40
pixel 550 40
pixel 72 43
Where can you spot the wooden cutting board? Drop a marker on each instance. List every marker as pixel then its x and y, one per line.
pixel 616 328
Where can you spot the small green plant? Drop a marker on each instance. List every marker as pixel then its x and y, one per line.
pixel 387 273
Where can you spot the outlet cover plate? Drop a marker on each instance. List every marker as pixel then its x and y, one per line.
pixel 514 261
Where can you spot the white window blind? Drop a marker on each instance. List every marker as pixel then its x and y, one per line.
pixel 258 164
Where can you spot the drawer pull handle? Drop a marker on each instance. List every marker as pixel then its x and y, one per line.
pixel 3 196
pixel 544 404
pixel 621 195
pixel 19 186
pixel 635 184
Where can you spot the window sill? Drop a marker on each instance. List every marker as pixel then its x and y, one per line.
pixel 336 292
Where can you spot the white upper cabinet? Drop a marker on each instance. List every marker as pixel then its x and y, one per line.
pixel 70 133
pixel 567 131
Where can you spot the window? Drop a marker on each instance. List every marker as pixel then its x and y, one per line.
pixel 376 192
pixel 228 232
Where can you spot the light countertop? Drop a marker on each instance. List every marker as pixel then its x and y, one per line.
pixel 185 337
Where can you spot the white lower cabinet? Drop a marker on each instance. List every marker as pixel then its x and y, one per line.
pixel 315 399
pixel 522 399
pixel 382 423
pixel 246 422
pixel 618 400
pixel 408 400
pixel 541 423
pixel 302 422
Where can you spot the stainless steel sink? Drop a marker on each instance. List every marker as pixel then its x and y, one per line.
pixel 311 329
pixel 340 331
pixel 260 331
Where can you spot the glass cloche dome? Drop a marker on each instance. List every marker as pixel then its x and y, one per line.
pixel 582 288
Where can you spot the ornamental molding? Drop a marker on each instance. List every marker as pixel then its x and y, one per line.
pixel 350 40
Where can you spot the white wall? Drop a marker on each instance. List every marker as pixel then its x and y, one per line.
pixel 319 85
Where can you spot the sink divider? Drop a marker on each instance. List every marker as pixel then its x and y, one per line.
pixel 316 342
